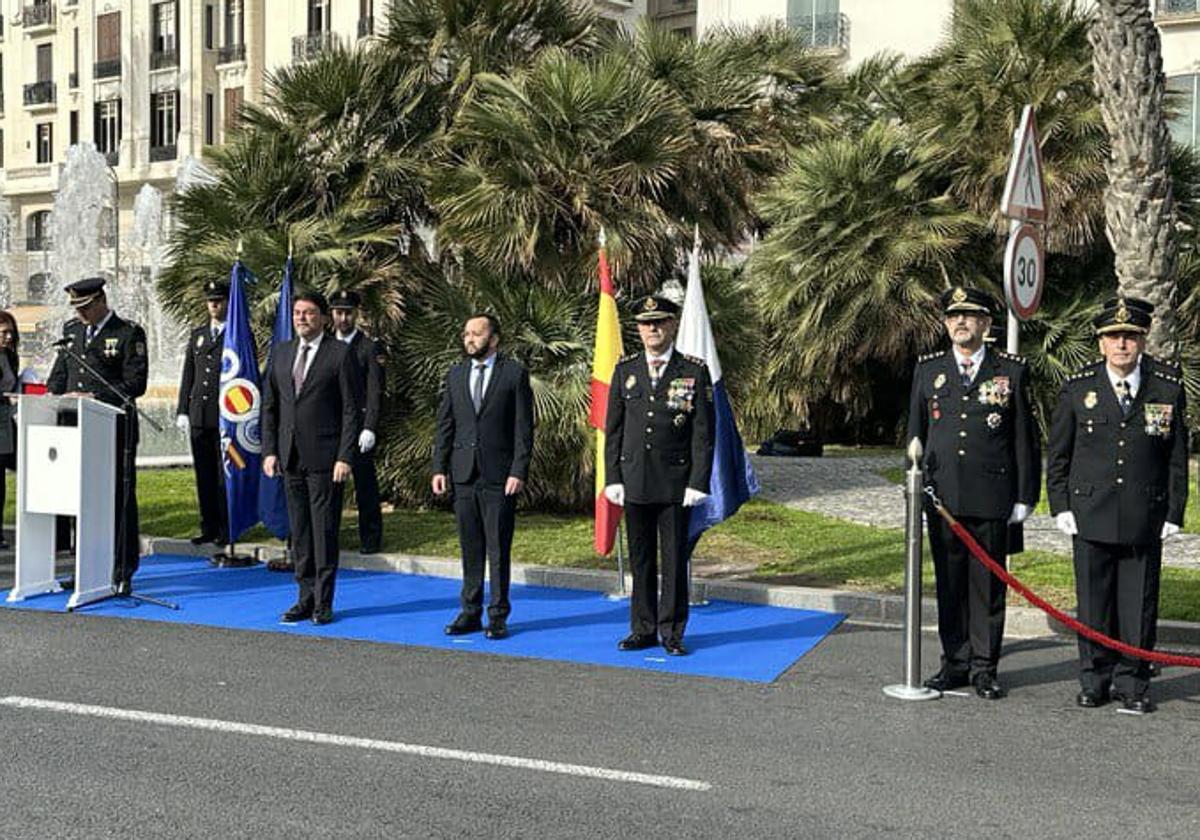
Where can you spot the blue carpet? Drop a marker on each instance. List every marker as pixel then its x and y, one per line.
pixel 726 639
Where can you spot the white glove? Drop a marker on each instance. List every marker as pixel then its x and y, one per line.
pixel 691 497
pixel 1065 522
pixel 181 422
pixel 615 493
pixel 1170 529
pixel 1020 513
pixel 366 441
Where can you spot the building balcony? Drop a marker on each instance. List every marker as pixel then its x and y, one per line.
pixel 161 153
pixel 231 53
pixel 366 26
pixel 40 95
pixel 109 68
pixel 308 47
pixel 164 59
pixel 38 243
pixel 37 17
pixel 825 33
pixel 112 158
pixel 1167 12
pixel 73 80
pixel 1 103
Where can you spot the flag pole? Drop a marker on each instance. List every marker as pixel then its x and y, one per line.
pixel 621 594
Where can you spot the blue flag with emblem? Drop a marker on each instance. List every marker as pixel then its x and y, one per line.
pixel 272 502
pixel 240 404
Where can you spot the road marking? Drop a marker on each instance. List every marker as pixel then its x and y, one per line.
pixel 306 736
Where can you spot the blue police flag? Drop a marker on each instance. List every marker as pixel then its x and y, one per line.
pixel 272 503
pixel 240 404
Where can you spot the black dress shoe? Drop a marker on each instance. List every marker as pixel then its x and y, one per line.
pixel 1155 667
pixel 945 680
pixel 124 587
pixel 674 647
pixel 463 625
pixel 322 615
pixel 987 687
pixel 1136 705
pixel 497 629
pixel 637 641
pixel 1091 698
pixel 298 612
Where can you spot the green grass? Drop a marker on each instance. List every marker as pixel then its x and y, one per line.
pixel 783 545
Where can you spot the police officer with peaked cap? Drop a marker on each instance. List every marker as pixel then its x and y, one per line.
pixel 1118 484
pixel 368 356
pixel 658 457
pixel 970 409
pixel 116 349
pixel 198 413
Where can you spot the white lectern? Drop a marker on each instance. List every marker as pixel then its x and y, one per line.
pixel 65 471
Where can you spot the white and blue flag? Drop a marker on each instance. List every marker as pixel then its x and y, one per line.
pixel 733 481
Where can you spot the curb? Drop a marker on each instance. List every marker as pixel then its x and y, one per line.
pixel 864 607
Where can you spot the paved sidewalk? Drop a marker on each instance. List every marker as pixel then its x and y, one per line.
pixel 853 489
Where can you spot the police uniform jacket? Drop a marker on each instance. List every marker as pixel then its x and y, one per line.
pixel 367 355
pixel 981 447
pixel 117 351
pixel 1121 477
pixel 659 441
pixel 199 386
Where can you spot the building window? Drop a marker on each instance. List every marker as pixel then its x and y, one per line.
pixel 1 148
pixel 38 285
pixel 164 120
pixel 108 45
pixel 45 142
pixel 233 23
pixel 108 126
pixel 73 132
pixel 318 16
pixel 209 118
pixel 233 106
pixel 1183 91
pixel 817 22
pixel 162 37
pixel 45 63
pixel 209 25
pixel 37 231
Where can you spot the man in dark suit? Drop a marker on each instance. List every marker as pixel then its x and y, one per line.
pixel 115 349
pixel 483 445
pixel 310 424
pixel 368 357
pixel 1118 484
pixel 658 456
pixel 970 408
pixel 197 413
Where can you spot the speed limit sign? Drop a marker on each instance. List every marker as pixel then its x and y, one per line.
pixel 1024 271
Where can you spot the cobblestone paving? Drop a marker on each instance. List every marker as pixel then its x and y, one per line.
pixel 852 488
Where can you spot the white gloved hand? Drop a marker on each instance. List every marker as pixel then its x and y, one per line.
pixel 181 422
pixel 615 493
pixel 1170 529
pixel 1020 513
pixel 691 497
pixel 366 441
pixel 1065 522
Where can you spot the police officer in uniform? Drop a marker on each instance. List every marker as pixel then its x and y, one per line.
pixel 658 457
pixel 1117 482
pixel 198 415
pixel 368 356
pixel 116 349
pixel 970 409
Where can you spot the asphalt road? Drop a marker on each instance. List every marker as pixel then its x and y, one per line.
pixel 820 753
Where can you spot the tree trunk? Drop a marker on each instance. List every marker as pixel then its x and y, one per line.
pixel 1139 204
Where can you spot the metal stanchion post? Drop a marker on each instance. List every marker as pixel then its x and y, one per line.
pixel 695 599
pixel 911 688
pixel 620 594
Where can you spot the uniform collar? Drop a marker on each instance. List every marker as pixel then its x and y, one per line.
pixel 1134 379
pixel 666 357
pixel 348 338
pixel 101 325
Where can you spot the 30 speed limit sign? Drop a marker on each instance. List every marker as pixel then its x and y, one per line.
pixel 1024 271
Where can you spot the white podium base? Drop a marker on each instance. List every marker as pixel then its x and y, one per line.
pixel 29 590
pixel 81 599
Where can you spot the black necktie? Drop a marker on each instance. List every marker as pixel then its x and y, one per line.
pixel 966 372
pixel 216 331
pixel 477 391
pixel 1125 398
pixel 656 366
pixel 299 371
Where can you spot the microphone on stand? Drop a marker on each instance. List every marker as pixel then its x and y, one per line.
pixel 62 342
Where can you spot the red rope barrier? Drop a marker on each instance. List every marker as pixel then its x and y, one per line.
pixel 1163 657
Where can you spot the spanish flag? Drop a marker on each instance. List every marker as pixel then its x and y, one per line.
pixel 604 358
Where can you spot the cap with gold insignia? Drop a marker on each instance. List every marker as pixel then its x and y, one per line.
pixel 963 299
pixel 345 299
pixel 1124 314
pixel 82 292
pixel 216 290
pixel 655 308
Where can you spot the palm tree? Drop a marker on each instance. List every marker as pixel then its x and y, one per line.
pixel 1139 203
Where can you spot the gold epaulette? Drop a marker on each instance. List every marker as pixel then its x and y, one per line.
pixel 1012 357
pixel 936 354
pixel 1173 367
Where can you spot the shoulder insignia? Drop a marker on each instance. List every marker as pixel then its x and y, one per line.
pixel 1085 373
pixel 630 357
pixel 936 354
pixel 1169 377
pixel 696 360
pixel 71 322
pixel 1012 357
pixel 1171 366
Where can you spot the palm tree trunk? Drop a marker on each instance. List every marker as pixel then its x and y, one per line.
pixel 1139 204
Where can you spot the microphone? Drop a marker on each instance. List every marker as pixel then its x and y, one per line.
pixel 62 342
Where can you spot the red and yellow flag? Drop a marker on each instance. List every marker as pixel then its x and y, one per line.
pixel 604 358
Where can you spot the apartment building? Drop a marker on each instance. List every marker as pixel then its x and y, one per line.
pixel 151 83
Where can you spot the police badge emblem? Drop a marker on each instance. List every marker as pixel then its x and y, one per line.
pixel 1090 399
pixel 939 380
pixel 630 381
pixel 994 420
pixel 199 341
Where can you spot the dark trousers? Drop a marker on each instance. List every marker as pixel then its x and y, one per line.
pixel 970 599
pixel 1116 587
pixel 8 461
pixel 366 497
pixel 210 483
pixel 486 519
pixel 649 614
pixel 314 508
pixel 127 506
